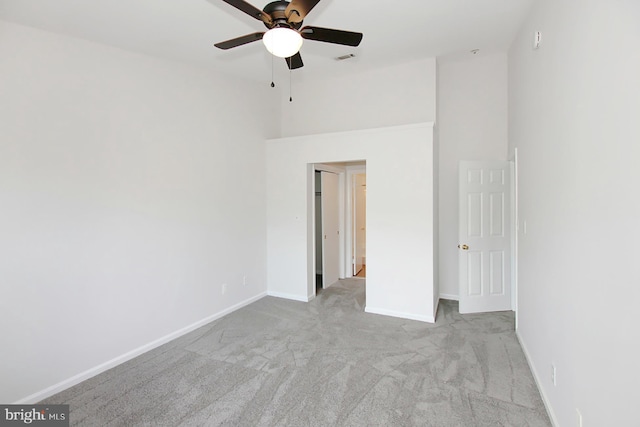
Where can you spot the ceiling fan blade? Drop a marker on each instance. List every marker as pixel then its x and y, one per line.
pixel 250 10
pixel 348 38
pixel 239 41
pixel 294 62
pixel 298 9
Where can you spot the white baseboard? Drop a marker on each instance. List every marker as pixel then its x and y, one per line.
pixel 76 379
pixel 411 316
pixel 536 378
pixel 293 297
pixel 450 297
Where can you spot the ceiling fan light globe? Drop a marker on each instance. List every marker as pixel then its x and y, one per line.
pixel 282 42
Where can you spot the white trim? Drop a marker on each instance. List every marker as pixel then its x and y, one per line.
pixel 76 379
pixel 323 167
pixel 536 378
pixel 515 229
pixel 311 231
pixel 410 316
pixel 452 297
pixel 362 132
pixel 290 296
pixel 342 266
pixel 352 171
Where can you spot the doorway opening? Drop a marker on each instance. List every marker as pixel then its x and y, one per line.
pixel 339 223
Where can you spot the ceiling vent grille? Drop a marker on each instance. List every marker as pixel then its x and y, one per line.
pixel 343 57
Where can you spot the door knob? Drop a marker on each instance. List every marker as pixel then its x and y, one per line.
pixel 463 247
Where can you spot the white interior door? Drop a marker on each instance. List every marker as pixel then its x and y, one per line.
pixel 484 236
pixel 330 229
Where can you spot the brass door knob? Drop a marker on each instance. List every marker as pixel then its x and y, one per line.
pixel 463 247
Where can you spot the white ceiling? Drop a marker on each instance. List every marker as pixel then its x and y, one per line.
pixel 185 30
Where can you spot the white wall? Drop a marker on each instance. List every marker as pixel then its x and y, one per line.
pixel 130 192
pixel 395 95
pixel 472 125
pixel 399 214
pixel 574 108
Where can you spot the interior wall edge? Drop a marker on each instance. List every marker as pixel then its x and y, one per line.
pixel 292 297
pixel 417 125
pixel 400 314
pixel 539 383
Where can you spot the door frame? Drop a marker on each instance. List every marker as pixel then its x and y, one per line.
pixel 349 229
pixel 515 229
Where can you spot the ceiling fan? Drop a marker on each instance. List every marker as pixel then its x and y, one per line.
pixel 284 35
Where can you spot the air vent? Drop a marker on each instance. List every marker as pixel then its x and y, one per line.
pixel 343 57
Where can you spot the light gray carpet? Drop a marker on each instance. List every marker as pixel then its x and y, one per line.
pixel 323 363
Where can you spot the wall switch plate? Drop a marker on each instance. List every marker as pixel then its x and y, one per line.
pixel 224 288
pixel 553 374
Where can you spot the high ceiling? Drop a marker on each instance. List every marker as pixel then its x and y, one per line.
pixel 185 30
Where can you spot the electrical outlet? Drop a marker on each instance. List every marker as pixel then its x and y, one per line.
pixel 224 288
pixel 553 374
pixel 579 417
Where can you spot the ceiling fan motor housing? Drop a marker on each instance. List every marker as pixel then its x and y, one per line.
pixel 276 10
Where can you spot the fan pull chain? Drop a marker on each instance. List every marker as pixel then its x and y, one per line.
pixel 272 83
pixel 290 97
